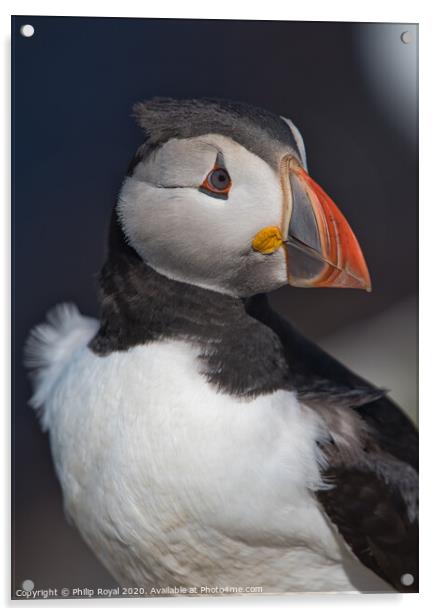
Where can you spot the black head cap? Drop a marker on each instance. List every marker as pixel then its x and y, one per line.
pixel 258 130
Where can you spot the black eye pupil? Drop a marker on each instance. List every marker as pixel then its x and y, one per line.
pixel 220 179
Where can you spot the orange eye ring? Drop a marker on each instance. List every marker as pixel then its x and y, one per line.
pixel 217 182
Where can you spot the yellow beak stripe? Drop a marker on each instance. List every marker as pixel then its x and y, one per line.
pixel 267 240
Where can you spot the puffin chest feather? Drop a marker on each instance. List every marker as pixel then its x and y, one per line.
pixel 165 447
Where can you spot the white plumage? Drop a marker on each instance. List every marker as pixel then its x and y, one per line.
pixel 228 499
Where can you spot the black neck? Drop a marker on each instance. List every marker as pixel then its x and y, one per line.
pixel 240 355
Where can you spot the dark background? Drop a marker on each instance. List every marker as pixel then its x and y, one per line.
pixel 351 90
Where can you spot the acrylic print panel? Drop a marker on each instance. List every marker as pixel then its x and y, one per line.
pixel 182 436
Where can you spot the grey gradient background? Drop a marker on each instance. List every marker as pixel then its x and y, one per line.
pixel 352 91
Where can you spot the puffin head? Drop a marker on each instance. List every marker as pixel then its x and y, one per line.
pixel 219 196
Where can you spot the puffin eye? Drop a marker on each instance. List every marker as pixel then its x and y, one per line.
pixel 219 179
pixel 217 183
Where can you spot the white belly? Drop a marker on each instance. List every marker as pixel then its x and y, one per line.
pixel 173 483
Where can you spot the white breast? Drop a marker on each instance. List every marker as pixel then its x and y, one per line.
pixel 174 483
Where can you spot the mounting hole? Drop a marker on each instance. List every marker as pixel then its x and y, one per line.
pixel 406 37
pixel 27 30
pixel 28 585
pixel 407 579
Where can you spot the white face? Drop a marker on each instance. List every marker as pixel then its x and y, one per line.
pixel 195 237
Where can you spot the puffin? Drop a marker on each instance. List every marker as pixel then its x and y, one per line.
pixel 200 440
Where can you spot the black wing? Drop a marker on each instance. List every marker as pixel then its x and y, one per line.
pixel 374 494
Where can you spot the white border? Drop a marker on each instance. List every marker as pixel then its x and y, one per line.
pixel 311 10
pixel 314 10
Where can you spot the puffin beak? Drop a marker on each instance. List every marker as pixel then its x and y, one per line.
pixel 322 250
